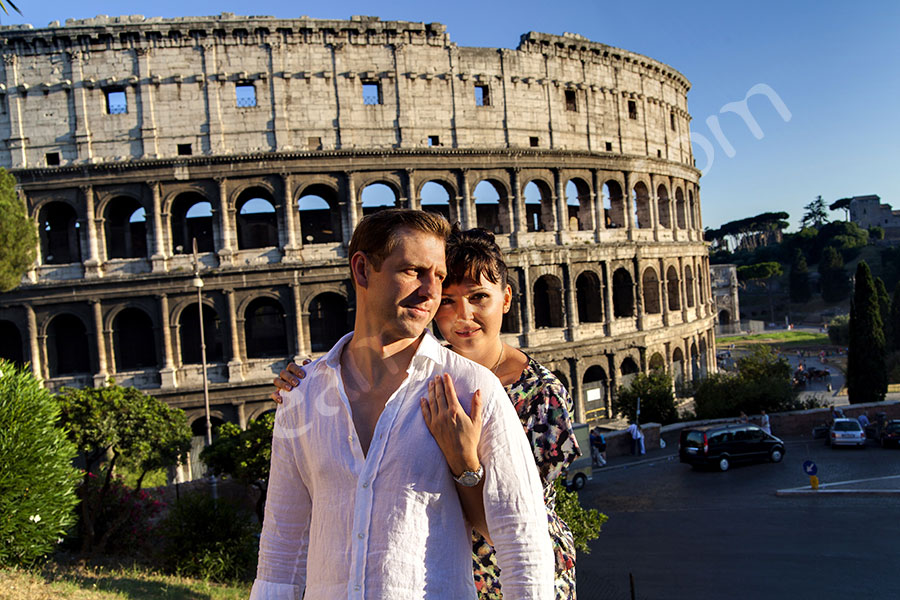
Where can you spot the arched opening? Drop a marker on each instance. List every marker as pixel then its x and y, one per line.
pixel 628 369
pixel 327 321
pixel 679 208
pixel 623 293
pixel 657 362
pixel 678 368
pixel 265 329
pixel 596 390
pixel 662 206
pixel 376 197
pixel 11 343
pixel 126 228
pixel 673 288
pixel 689 285
pixel 578 205
pixel 724 317
pixel 320 217
pixel 548 302
pixel 436 199
pixel 133 340
pixel 641 199
pixel 613 204
pixel 189 333
pixel 59 234
pixel 589 298
pixel 492 206
pixel 192 219
pixel 703 359
pixel 692 211
pixel 695 362
pixel 257 223
pixel 538 206
pixel 67 346
pixel 511 319
pixel 650 289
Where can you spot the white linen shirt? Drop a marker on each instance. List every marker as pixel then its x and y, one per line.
pixel 389 525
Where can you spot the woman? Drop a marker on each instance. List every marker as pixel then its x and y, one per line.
pixel 475 297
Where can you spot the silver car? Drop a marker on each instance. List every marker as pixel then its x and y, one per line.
pixel 846 432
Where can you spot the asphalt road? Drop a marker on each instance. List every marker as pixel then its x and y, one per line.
pixel 684 534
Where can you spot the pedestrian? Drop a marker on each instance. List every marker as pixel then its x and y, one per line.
pixel 863 420
pixel 764 422
pixel 743 418
pixel 637 439
pixel 598 448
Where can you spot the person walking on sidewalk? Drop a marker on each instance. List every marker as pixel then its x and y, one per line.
pixel 637 439
pixel 598 448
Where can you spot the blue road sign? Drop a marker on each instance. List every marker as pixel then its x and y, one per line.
pixel 810 468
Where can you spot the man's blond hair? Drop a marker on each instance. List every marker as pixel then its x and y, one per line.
pixel 376 235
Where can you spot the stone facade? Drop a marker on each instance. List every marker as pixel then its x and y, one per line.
pixel 260 138
pixel 725 294
pixel 868 211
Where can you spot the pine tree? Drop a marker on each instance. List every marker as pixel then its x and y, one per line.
pixel 866 369
pixel 884 310
pixel 833 278
pixel 18 236
pixel 799 279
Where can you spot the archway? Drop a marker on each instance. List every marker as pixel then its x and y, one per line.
pixel 578 205
pixel 623 293
pixel 192 218
pixel 596 391
pixel 628 369
pixel 265 329
pixel 327 321
pixel 126 228
pixel 650 290
pixel 724 317
pixel 538 206
pixel 641 199
pixel 548 310
pixel 257 223
pixel 134 340
pixel 11 343
pixel 589 298
pixel 376 197
pixel 679 208
pixel 436 199
pixel 673 288
pixel 320 218
pixel 614 204
pixel 492 207
pixel 189 335
pixel 59 234
pixel 662 206
pixel 67 346
pixel 689 285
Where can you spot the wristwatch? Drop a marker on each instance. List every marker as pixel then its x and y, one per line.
pixel 470 478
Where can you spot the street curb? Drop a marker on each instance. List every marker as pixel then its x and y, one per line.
pixel 811 492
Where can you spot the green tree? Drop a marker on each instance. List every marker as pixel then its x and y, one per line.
pixel 894 322
pixel 866 369
pixel 113 425
pixel 884 311
pixel 876 233
pixel 584 523
pixel 842 204
pixel 18 237
pixel 37 479
pixel 832 277
pixel 846 237
pixel 839 330
pixel 657 399
pixel 814 214
pixel 799 280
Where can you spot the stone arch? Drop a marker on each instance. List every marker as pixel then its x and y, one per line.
pixel 125 224
pixel 595 384
pixel 265 328
pixel 437 197
pixel 689 285
pixel 256 218
pixel 650 289
pixel 378 195
pixel 11 343
pixel 628 370
pixel 679 208
pixel 662 206
pixel 59 227
pixel 703 358
pixel 589 297
pixel 614 204
pixel 189 335
pixel 320 214
pixel 328 320
pixel 695 361
pixel 678 367
pixel 538 195
pixel 512 319
pixel 579 207
pixel 623 293
pixel 673 288
pixel 260 410
pixel 724 317
pixel 657 362
pixel 641 199
pixel 548 306
pixel 134 340
pixel 492 206
pixel 192 218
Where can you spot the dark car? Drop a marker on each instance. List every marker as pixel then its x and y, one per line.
pixel 890 434
pixel 723 445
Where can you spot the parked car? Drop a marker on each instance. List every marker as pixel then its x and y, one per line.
pixel 846 432
pixel 581 470
pixel 890 434
pixel 723 445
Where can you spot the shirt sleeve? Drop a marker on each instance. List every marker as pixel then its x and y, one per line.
pixel 549 428
pixel 514 504
pixel 281 570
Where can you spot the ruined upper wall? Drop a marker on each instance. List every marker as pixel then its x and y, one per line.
pixel 127 88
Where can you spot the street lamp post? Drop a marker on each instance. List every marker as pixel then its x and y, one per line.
pixel 198 283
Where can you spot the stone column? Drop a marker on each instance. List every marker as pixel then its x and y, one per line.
pixel 577 392
pixel 688 362
pixel 226 224
pixel 302 350
pixel 102 369
pixel 597 198
pixel 353 208
pixel 33 346
pixel 467 212
pixel 664 296
pixel 516 206
pixel 609 313
pixel 235 366
pixel 17 139
pixel 150 142
pixel 79 105
pixel 562 208
pixel 638 295
pixel 292 242
pixel 92 260
pixel 628 203
pixel 160 252
pixel 279 99
pixel 682 289
pixel 242 415
pixel 167 373
pixel 525 302
pixel 572 321
pixel 412 201
pixel 215 128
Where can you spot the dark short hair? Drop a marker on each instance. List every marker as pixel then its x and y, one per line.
pixel 473 253
pixel 376 234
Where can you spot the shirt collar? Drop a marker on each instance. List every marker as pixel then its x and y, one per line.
pixel 429 349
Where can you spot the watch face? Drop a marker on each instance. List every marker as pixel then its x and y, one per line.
pixel 469 479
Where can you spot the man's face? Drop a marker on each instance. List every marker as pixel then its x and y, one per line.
pixel 403 295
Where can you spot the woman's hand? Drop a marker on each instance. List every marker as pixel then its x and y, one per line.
pixel 456 433
pixel 286 379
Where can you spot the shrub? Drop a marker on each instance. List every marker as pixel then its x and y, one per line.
pixel 212 540
pixel 584 523
pixel 839 330
pixel 37 480
pixel 657 399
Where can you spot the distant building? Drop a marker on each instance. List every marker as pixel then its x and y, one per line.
pixel 724 281
pixel 868 211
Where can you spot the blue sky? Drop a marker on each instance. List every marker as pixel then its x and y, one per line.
pixel 836 67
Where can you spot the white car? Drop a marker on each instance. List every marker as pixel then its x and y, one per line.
pixel 846 432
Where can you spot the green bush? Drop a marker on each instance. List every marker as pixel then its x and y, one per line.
pixel 215 541
pixel 584 523
pixel 657 399
pixel 839 330
pixel 37 479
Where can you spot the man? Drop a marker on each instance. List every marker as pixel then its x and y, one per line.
pixel 361 502
pixel 637 439
pixel 598 448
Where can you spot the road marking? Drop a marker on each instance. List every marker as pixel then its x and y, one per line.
pixel 807 489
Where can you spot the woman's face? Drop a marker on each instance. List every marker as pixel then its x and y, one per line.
pixel 471 313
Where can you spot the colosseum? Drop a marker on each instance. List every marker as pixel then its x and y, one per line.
pixel 265 140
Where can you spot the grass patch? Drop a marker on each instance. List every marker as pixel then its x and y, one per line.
pixel 98 582
pixel 778 337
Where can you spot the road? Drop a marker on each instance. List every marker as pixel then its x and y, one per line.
pixel 695 534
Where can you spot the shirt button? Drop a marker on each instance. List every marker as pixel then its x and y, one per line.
pixel 365 484
pixel 349 438
pixel 360 536
pixel 356 587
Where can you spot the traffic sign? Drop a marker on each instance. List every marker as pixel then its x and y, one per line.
pixel 810 468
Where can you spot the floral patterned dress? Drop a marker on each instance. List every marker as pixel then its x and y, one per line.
pixel 544 406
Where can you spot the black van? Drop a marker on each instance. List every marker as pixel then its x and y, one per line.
pixel 722 445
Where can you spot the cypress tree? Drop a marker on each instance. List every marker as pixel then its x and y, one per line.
pixel 894 324
pixel 799 279
pixel 866 368
pixel 884 309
